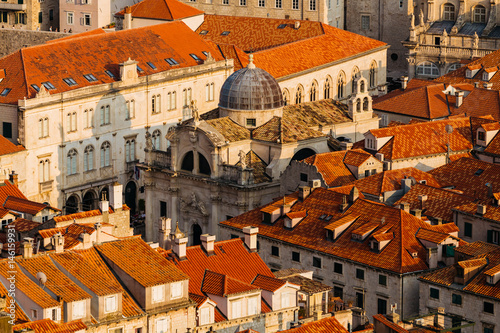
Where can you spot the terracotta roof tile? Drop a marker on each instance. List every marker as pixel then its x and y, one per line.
pixel 90 269
pixel 258 165
pixel 167 10
pixel 384 236
pixel 492 212
pixel 129 307
pixel 8 189
pixel 23 205
pixel 331 166
pixel 25 285
pixel 269 283
pixel 100 52
pixel 71 233
pixel 20 316
pixel 491 126
pixel 471 263
pixel 326 325
pixel 356 157
pixel 7 147
pixel 49 326
pixel 446 228
pixel 307 285
pixel 199 299
pixel 135 257
pixel 82 215
pixel 57 282
pixel 295 215
pixel 392 326
pixel 23 225
pixel 323 113
pixel 431 236
pixel 222 285
pixel 494 145
pixel 493 270
pixel 231 130
pixel 476 248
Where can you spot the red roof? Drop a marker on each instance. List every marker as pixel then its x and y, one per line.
pixel 167 10
pixel 268 283
pixel 93 54
pixel 331 166
pixel 23 225
pixel 23 205
pixel 7 147
pixel 8 189
pixel 49 326
pixel 223 285
pixel 326 325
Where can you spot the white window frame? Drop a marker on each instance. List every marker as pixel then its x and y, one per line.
pixel 253 306
pixel 84 19
pixel 70 18
pixel 107 301
pixel 105 154
pixel 79 310
pixel 162 325
pixel 88 158
pixel 312 5
pixel 206 315
pixel 236 309
pixel 158 293
pixel 176 290
pixel 44 170
pixel 72 162
pixel 285 300
pixel 130 150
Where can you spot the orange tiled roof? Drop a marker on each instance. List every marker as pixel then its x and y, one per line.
pixel 391 325
pixel 439 201
pixel 390 180
pixel 71 233
pixel 134 257
pixel 493 147
pixel 231 258
pixel 492 212
pixel 310 232
pixel 491 126
pixel 8 189
pixel 424 139
pixel 383 236
pixel 23 205
pixel 356 157
pixel 129 307
pixel 90 269
pixel 295 215
pixel 167 10
pixel 49 326
pixel 341 221
pixel 431 236
pixel 199 299
pixel 446 228
pixel 476 248
pixel 57 282
pixel 493 270
pixel 269 283
pixel 19 315
pixel 469 176
pixel 331 166
pixel 326 325
pixel 82 215
pixel 93 54
pixel 223 285
pixel 7 147
pixel 25 285
pixel 23 225
pixel 471 263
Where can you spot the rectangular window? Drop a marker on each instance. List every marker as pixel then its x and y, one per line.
pixel 296 256
pixel 251 122
pixel 225 2
pixel 236 309
pixel 338 268
pixel 360 274
pixel 456 299
pixel 252 306
pixel 162 325
pixel 480 135
pixel 7 130
pixel 262 3
pixel 365 22
pixel 382 280
pixel 86 20
pixel 70 17
pixel 295 4
pixel 367 173
pixel 205 316
pixel 488 307
pixel 493 236
pixel 40 17
pixel 163 209
pixel 275 251
pixel 312 5
pixel 338 292
pixel 487 328
pixel 51 14
pixel 243 2
pixel 176 290
pixel 285 300
pixel 467 229
pixel 434 293
pixel 317 262
pixel 360 300
pixel 110 304
pixel 158 293
pixel 278 4
pixel 303 177
pixel 381 306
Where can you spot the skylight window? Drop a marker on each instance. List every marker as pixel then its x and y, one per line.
pixel 5 92
pixel 282 26
pixel 70 82
pixel 478 172
pixel 203 32
pixel 90 77
pixel 328 218
pixel 140 69
pixel 150 64
pixel 111 75
pixel 48 85
pixel 225 33
pixel 322 217
pixel 195 57
pixel 36 87
pixel 205 53
pixel 171 61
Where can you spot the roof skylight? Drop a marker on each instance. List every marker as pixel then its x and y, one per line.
pixel 171 61
pixel 5 92
pixel 48 85
pixel 90 77
pixel 70 82
pixel 150 64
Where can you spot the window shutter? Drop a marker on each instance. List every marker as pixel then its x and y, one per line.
pixel 82 21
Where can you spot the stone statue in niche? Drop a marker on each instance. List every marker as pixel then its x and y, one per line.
pixel 187 205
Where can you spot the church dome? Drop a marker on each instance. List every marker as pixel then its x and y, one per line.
pixel 251 88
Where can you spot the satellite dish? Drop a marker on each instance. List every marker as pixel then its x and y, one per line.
pixel 41 277
pixel 413 180
pixel 449 129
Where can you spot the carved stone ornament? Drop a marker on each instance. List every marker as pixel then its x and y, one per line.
pixel 243 159
pixel 172 134
pixel 193 203
pixel 193 137
pixel 43 92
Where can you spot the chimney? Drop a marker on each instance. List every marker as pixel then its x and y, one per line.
pixel 404 82
pixel 207 242
pixel 459 98
pixel 481 209
pixel 353 195
pixel 180 247
pixel 476 84
pixel 418 213
pixel 116 196
pixel 297 24
pixel 344 205
pixel 251 237
pixel 165 228
pixel 488 85
pixel 304 192
pixel 98 230
pixel 104 207
pixel 13 177
pixel 58 242
pixel 432 256
pixel 405 185
pixel 85 238
pixel 3 302
pixel 439 319
pixel 318 315
pixel 27 249
pixel 127 18
pixel 490 190
pixel 128 70
pixel 405 206
pixel 423 199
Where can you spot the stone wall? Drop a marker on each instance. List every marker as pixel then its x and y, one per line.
pixel 12 40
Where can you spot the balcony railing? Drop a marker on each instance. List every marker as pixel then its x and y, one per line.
pixel 161 159
pixel 12 6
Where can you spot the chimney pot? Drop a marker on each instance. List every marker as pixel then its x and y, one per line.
pixel 27 250
pixel 251 237
pixel 459 98
pixel 304 192
pixel 207 242
pixel 404 82
pixel 405 206
pixel 13 178
pixel 481 209
pixel 116 196
pixel 418 213
pixel 297 24
pixel 58 242
pixel 180 247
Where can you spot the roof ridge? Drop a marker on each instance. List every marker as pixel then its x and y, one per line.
pixel 168 8
pixel 24 72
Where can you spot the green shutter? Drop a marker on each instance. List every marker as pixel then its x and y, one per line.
pixel 490 236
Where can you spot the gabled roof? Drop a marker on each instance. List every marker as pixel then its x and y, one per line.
pixel 390 180
pixel 24 206
pixel 356 157
pixel 7 147
pixel 268 283
pixel 476 248
pixel 492 212
pixel 135 257
pixel 19 315
pixel 431 236
pixel 472 263
pixel 71 233
pixel 310 232
pixel 57 282
pixel 49 326
pixel 23 225
pixel 424 139
pixel 82 215
pixel 469 176
pixel 330 325
pixel 9 189
pixel 93 54
pixel 331 166
pixel 167 10
pixel 223 285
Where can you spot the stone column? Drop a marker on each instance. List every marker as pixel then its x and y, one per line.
pixel 214 218
pixel 149 187
pixel 215 164
pixel 174 212
pixel 196 162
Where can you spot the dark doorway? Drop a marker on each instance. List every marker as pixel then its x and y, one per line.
pixel 188 162
pixel 89 201
pixel 72 205
pixel 130 196
pixel 302 154
pixel 196 234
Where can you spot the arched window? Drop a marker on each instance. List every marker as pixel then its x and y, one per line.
pixel 105 154
pixel 43 127
pixel 209 92
pixel 340 85
pixel 355 74
pixel 314 91
pixel 365 104
pixel 362 86
pixel 373 74
pixel 449 12
pixel 71 122
pixel 427 68
pixel 105 115
pixel 130 150
pixel 88 158
pixel 358 105
pixel 328 85
pixel 453 67
pixel 156 139
pixel 72 161
pixel 44 170
pixel 299 94
pixel 479 14
pixel 286 97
